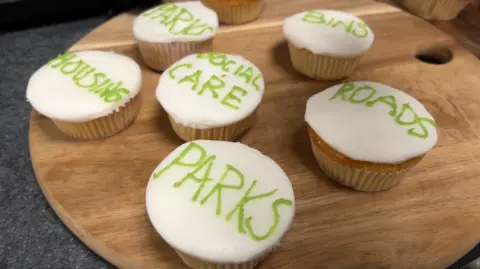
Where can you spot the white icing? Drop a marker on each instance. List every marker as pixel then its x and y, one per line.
pixel 324 38
pixel 55 95
pixel 156 28
pixel 189 108
pixel 369 133
pixel 195 229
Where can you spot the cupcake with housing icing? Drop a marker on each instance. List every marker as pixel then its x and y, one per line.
pixel 235 11
pixel 220 204
pixel 435 9
pixel 326 44
pixel 171 31
pixel 367 135
pixel 87 94
pixel 211 96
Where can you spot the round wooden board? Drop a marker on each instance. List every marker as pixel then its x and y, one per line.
pixel 97 188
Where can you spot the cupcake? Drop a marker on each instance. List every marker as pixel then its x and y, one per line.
pixel 326 44
pixel 434 9
pixel 235 11
pixel 211 96
pixel 367 135
pixel 87 94
pixel 220 204
pixel 171 31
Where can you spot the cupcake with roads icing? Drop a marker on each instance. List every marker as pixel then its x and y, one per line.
pixel 220 204
pixel 435 9
pixel 326 44
pixel 367 135
pixel 235 11
pixel 211 95
pixel 87 94
pixel 170 31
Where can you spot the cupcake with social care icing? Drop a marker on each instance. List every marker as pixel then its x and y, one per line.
pixel 87 94
pixel 435 9
pixel 211 96
pixel 235 11
pixel 326 44
pixel 171 31
pixel 367 135
pixel 220 204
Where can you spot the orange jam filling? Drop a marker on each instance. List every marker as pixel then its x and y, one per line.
pixel 338 157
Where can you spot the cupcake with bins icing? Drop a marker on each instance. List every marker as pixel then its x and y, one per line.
pixel 326 44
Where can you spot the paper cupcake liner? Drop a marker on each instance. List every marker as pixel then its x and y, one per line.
pixel 225 133
pixel 434 9
pixel 105 126
pixel 195 263
pixel 235 14
pixel 359 179
pixel 160 56
pixel 322 67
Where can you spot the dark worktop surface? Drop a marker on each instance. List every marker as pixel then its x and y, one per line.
pixel 31 235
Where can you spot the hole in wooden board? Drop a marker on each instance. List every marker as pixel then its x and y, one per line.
pixel 434 55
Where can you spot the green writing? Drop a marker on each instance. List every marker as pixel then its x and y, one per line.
pixel 354 27
pixel 230 97
pixel 240 207
pixel 217 59
pixel 255 80
pixel 344 89
pixel 276 215
pixel 191 148
pixel 213 84
pixel 213 87
pixel 81 72
pixel 354 97
pixel 249 74
pixel 389 100
pixel 201 180
pixel 171 72
pixel 220 186
pixel 195 158
pixel 178 20
pixel 416 121
pixel 363 94
pixel 193 78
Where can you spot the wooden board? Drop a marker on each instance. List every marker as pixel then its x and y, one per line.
pixel 464 28
pixel 433 218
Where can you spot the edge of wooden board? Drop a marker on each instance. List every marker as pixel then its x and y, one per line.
pixel 374 8
pixel 91 242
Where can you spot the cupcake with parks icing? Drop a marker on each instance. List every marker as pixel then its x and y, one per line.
pixel 367 135
pixel 220 204
pixel 211 96
pixel 326 44
pixel 171 31
pixel 87 94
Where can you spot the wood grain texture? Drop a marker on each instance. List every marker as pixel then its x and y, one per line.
pixel 465 28
pixel 98 188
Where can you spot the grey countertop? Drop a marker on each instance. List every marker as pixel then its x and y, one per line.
pixel 31 235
